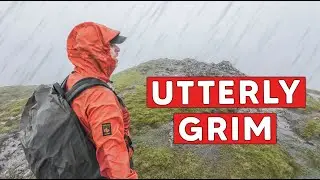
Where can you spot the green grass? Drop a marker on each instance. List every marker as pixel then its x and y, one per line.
pixel 314 158
pixel 16 107
pixel 164 163
pixel 311 129
pixel 255 161
pixel 9 115
pixel 8 129
pixel 13 108
pixel 312 104
pixel 235 161
pixel 9 93
pixel 13 99
pixel 126 78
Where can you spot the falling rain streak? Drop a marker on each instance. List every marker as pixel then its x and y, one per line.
pixel 248 27
pixel 230 30
pixel 43 60
pixel 259 39
pixel 267 36
pixel 314 52
pixel 222 15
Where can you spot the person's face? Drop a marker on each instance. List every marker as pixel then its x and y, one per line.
pixel 114 51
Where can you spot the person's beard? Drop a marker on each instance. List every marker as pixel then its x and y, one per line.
pixel 117 61
pixel 114 56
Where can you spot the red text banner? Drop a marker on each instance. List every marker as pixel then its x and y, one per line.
pixel 235 128
pixel 226 92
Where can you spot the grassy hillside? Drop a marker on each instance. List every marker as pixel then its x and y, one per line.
pixel 12 99
pixel 154 158
pixel 234 161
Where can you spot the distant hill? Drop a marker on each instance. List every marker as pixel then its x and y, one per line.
pixel 296 155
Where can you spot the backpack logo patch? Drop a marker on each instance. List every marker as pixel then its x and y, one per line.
pixel 106 129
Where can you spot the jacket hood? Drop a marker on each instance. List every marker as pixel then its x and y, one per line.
pixel 88 50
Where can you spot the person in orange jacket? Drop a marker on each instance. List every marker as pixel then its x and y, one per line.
pixel 92 49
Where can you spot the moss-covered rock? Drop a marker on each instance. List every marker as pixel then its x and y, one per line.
pixel 313 104
pixel 311 129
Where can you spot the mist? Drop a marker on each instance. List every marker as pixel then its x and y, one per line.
pixel 258 38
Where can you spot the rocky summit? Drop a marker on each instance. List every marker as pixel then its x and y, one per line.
pixel 296 154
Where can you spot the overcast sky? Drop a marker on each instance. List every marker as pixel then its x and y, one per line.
pixel 259 38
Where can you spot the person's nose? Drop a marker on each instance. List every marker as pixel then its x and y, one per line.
pixel 116 49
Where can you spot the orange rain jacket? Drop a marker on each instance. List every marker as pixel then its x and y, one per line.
pixel 89 51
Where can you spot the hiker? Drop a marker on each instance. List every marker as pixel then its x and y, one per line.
pixel 92 49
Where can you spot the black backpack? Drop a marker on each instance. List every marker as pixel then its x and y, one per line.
pixel 54 142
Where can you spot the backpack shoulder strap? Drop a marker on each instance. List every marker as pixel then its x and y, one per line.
pixel 60 89
pixel 84 84
pixel 63 84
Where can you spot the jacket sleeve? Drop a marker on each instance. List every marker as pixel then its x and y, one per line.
pixel 105 119
pixel 126 120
